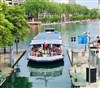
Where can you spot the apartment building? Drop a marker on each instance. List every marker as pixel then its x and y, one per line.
pixel 72 1
pixel 99 4
pixel 13 2
pixel 65 1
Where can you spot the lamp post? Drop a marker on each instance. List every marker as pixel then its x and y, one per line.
pixel 88 35
pixel 85 47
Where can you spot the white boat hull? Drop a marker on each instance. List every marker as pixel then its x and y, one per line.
pixel 46 59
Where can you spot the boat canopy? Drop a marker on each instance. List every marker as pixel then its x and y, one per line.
pixel 48 36
pixel 37 42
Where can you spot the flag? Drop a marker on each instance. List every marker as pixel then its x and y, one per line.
pixel 82 39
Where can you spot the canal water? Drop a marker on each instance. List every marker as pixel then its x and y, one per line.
pixel 53 75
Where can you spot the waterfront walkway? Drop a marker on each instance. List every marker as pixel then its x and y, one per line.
pixel 6 69
pixel 79 64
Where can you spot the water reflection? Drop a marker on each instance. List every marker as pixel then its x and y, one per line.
pixel 17 82
pixel 45 71
pixel 36 29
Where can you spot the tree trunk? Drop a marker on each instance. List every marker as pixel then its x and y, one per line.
pixel 4 49
pixel 16 47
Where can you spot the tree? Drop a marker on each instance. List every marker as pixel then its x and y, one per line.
pixel 6 38
pixel 93 13
pixel 16 15
pixel 55 18
pixel 34 7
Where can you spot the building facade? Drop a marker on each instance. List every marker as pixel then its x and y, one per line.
pixel 72 1
pixel 65 1
pixel 99 4
pixel 13 2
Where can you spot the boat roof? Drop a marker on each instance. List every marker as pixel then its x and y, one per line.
pixel 47 37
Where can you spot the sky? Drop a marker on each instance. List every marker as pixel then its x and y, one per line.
pixel 88 3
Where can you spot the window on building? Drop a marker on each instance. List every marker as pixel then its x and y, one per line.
pixel 73 39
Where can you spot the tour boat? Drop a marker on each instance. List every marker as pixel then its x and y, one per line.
pixel 46 46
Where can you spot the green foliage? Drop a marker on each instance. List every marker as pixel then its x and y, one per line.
pixel 39 6
pixel 98 14
pixel 13 24
pixel 55 18
pixel 6 38
pixel 35 6
pixel 80 17
pixel 93 13
pixel 54 8
pixel 16 16
pixel 46 19
pixel 75 79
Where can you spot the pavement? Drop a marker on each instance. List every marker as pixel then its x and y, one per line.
pixel 81 65
pixel 5 63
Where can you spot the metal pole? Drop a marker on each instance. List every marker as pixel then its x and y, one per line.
pixel 85 47
pixel 11 57
pixel 88 35
pixel 98 56
pixel 72 58
pixel 89 60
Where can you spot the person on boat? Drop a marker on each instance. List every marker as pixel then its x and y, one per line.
pixel 33 53
pixel 46 45
pixel 43 51
pixel 49 52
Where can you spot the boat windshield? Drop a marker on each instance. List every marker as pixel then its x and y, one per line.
pixel 49 29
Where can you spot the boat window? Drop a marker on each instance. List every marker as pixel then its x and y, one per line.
pixel 49 29
pixel 56 45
